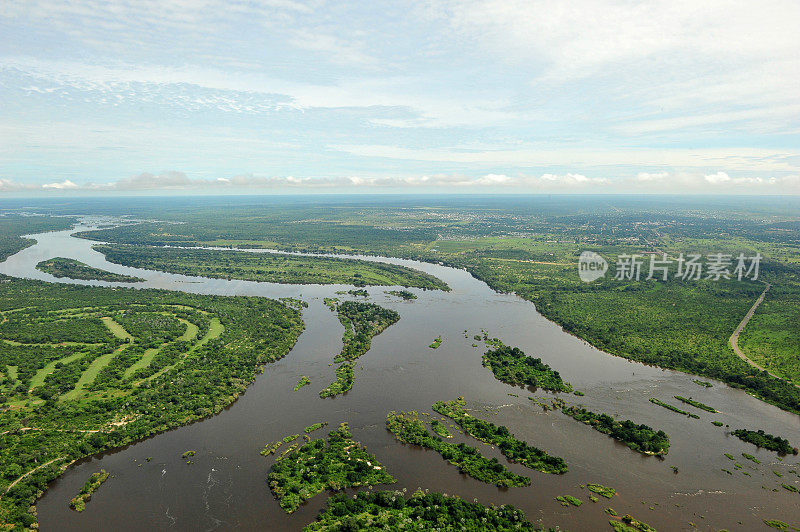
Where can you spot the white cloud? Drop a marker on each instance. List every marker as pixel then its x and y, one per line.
pixel 718 178
pixel 63 185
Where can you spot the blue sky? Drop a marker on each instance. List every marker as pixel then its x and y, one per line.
pixel 216 96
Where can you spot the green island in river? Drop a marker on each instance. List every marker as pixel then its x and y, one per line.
pixel 269 267
pixel 361 322
pixel 74 269
pixel 316 466
pixel 513 449
pixel 408 428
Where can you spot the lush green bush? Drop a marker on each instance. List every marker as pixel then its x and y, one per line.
pixel 314 467
pixel 640 438
pixel 387 510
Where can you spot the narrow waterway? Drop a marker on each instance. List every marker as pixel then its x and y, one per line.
pixel 226 488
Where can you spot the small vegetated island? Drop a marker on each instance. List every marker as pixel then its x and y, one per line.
pixel 759 438
pixel 87 368
pixel 391 510
pixel 74 269
pixel 314 467
pixel 78 503
pixel 408 428
pixel 403 294
pixel 512 366
pixel 436 343
pixel 640 438
pixel 673 408
pixel 269 267
pixel 513 449
pixel 696 404
pixel 361 322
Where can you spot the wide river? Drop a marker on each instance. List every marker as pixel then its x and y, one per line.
pixel 225 487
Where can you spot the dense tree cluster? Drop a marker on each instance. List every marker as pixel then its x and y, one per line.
pixel 407 427
pixel 391 510
pixel 512 366
pixel 640 438
pixel 74 269
pixel 316 466
pixel 759 438
pixel 361 322
pixel 512 448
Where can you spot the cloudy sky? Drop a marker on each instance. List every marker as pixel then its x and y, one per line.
pixel 218 96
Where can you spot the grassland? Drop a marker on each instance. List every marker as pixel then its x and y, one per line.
pixel 270 267
pixel 73 269
pixel 70 393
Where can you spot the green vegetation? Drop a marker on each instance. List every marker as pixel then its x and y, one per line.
pixel 717 423
pixel 751 458
pixel 73 269
pixel 403 294
pixel 702 383
pixel 771 338
pixel 188 454
pixel 386 510
pixel 436 343
pixel 629 524
pixel 696 404
pixel 513 449
pixel 269 267
pixel 361 322
pixel 440 429
pixel 780 525
pixel 640 438
pixel 316 426
pixel 407 427
pixel 566 500
pixel 604 491
pixel 13 226
pixel 69 341
pixel 78 503
pixel 304 381
pixel 510 365
pixel 315 467
pixel 530 246
pixel 673 408
pixel 760 438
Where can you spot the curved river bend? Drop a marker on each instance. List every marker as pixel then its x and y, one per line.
pixel 225 488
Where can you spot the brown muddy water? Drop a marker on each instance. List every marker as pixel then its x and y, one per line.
pixel 225 487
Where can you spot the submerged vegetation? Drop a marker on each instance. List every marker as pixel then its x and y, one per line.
pixel 513 449
pixel 387 510
pixel 316 466
pixel 673 408
pixel 269 267
pixel 696 404
pixel 361 322
pixel 640 438
pixel 759 438
pixel 73 269
pixel 407 427
pixel 403 294
pixel 512 366
pixel 78 503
